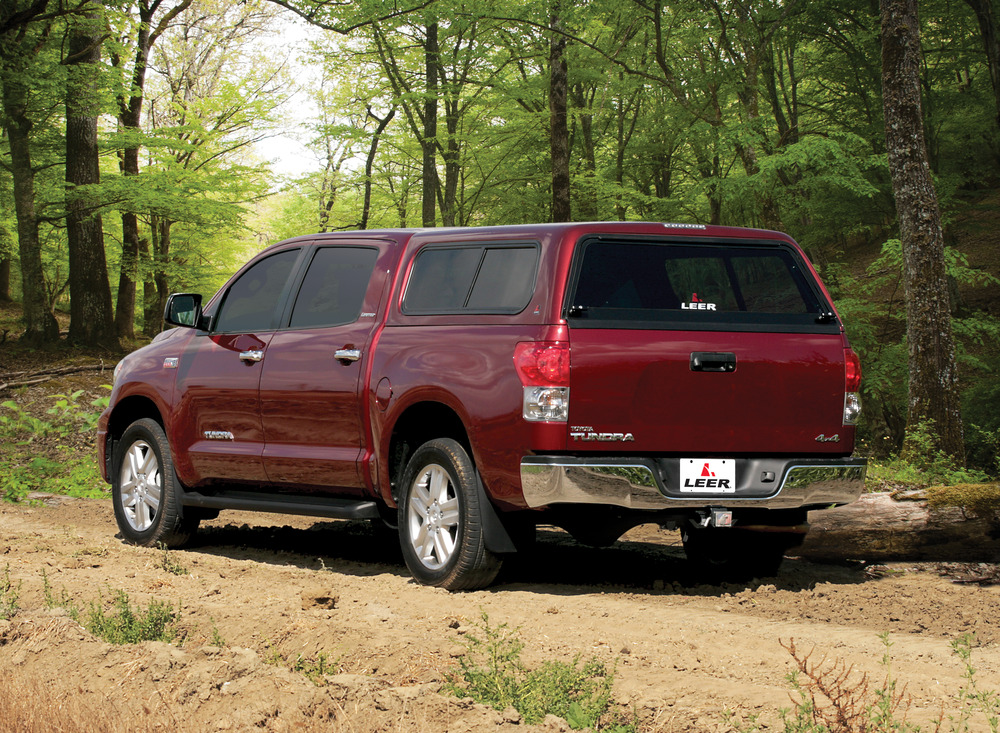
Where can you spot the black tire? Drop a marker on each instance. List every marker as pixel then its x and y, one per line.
pixel 440 520
pixel 731 554
pixel 145 489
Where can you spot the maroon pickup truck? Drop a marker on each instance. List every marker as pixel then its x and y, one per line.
pixel 466 385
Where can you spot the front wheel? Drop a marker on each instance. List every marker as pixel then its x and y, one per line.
pixel 145 489
pixel 440 519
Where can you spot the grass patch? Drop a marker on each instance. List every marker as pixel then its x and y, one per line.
pixel 831 697
pixel 124 624
pixel 492 673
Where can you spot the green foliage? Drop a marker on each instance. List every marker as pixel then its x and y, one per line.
pixel 921 463
pixel 9 594
pixel 493 674
pixel 128 625
pixel 832 698
pixel 24 468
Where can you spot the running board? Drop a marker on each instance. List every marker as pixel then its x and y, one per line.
pixel 308 506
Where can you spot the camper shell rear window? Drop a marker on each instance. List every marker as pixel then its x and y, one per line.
pixel 690 285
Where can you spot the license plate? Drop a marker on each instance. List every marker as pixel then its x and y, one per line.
pixel 708 475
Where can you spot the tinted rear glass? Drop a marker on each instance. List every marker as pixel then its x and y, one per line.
pixel 333 290
pixel 693 286
pixel 481 278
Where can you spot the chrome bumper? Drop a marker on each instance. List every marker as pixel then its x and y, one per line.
pixel 637 484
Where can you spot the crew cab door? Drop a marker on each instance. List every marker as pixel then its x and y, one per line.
pixel 703 348
pixel 216 427
pixel 310 390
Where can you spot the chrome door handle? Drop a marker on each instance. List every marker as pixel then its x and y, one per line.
pixel 252 355
pixel 347 354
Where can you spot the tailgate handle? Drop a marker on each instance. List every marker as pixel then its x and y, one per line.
pixel 713 361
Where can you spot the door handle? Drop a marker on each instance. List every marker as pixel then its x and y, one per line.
pixel 252 355
pixel 347 355
pixel 713 361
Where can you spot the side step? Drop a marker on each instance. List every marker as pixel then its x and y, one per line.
pixel 307 505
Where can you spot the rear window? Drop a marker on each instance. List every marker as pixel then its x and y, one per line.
pixel 639 284
pixel 481 278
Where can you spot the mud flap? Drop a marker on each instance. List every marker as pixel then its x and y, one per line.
pixel 498 539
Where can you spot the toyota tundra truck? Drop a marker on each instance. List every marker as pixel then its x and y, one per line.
pixel 465 385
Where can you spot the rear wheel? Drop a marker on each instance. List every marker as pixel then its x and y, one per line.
pixel 145 489
pixel 440 519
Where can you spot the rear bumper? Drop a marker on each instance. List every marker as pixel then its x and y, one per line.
pixel 639 483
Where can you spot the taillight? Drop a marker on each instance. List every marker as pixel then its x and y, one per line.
pixel 852 366
pixel 543 368
pixel 542 363
pixel 852 382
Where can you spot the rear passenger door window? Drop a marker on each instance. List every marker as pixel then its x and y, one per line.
pixel 475 278
pixel 333 289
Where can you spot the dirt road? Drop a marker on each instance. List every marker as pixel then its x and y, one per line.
pixel 260 587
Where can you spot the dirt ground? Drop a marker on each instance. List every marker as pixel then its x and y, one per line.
pixel 264 585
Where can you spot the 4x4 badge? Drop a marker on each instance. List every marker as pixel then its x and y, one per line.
pixel 835 438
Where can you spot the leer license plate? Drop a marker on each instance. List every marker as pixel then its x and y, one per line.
pixel 708 475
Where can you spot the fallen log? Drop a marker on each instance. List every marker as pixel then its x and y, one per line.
pixel 24 379
pixel 879 527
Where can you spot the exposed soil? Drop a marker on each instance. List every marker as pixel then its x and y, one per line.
pixel 264 584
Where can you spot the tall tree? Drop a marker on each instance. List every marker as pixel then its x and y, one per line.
pixel 24 29
pixel 558 117
pixel 91 314
pixel 130 100
pixel 933 384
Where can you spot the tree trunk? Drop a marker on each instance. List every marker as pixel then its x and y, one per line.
pixel 558 120
pixel 91 313
pixel 428 142
pixel 370 163
pixel 989 29
pixel 933 387
pixel 40 323
pixel 129 116
pixel 5 280
pixel 5 243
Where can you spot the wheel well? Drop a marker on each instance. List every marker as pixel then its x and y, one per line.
pixel 419 423
pixel 128 411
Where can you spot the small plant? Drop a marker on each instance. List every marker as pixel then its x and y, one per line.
pixel 216 638
pixel 131 626
pixel 315 670
pixel 832 697
pixel 62 601
pixel 9 594
pixel 169 564
pixel 493 674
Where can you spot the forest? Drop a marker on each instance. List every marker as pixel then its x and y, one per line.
pixel 133 157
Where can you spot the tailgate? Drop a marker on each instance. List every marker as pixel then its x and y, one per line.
pixel 702 347
pixel 637 390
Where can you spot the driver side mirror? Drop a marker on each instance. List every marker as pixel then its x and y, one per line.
pixel 183 309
